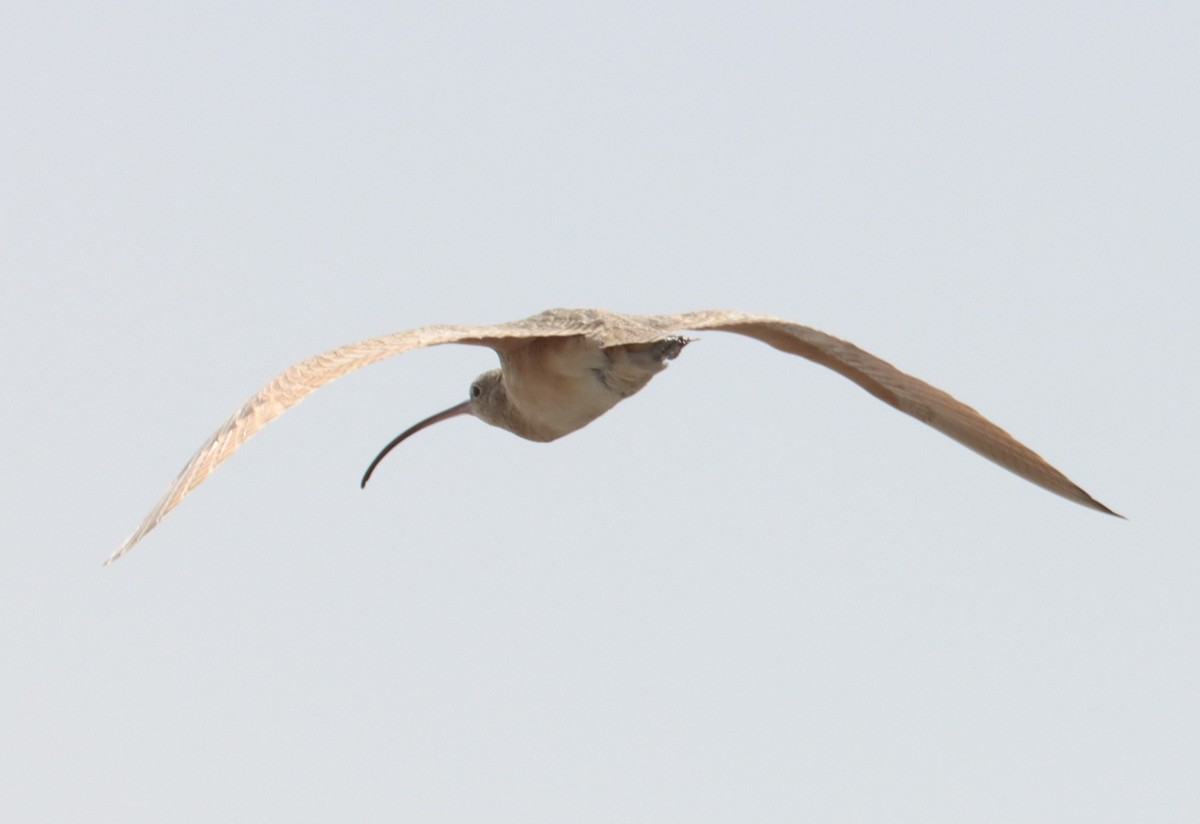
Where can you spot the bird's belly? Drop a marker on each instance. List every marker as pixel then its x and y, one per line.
pixel 557 385
pixel 556 405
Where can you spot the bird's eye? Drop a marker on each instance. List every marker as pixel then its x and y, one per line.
pixel 476 390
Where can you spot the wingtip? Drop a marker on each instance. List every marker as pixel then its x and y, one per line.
pixel 122 549
pixel 1099 507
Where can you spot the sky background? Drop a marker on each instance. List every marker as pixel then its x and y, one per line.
pixel 753 592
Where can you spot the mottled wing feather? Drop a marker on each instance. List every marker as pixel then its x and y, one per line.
pixel 906 393
pixel 605 328
pixel 295 384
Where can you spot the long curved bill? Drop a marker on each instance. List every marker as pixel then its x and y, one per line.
pixel 463 408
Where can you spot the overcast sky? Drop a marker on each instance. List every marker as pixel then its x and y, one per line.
pixel 752 593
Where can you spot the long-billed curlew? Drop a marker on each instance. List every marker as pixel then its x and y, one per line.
pixel 563 368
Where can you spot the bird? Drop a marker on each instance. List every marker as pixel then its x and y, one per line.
pixel 563 368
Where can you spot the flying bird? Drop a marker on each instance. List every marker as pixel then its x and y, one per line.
pixel 563 368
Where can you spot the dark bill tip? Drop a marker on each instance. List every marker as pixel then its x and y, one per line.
pixel 463 408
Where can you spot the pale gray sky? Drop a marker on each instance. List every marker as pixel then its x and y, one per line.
pixel 751 593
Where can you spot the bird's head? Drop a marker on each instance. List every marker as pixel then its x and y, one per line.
pixel 487 400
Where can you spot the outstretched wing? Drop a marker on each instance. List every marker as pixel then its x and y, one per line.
pixel 291 387
pixel 908 394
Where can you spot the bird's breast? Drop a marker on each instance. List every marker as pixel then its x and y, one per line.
pixel 556 385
